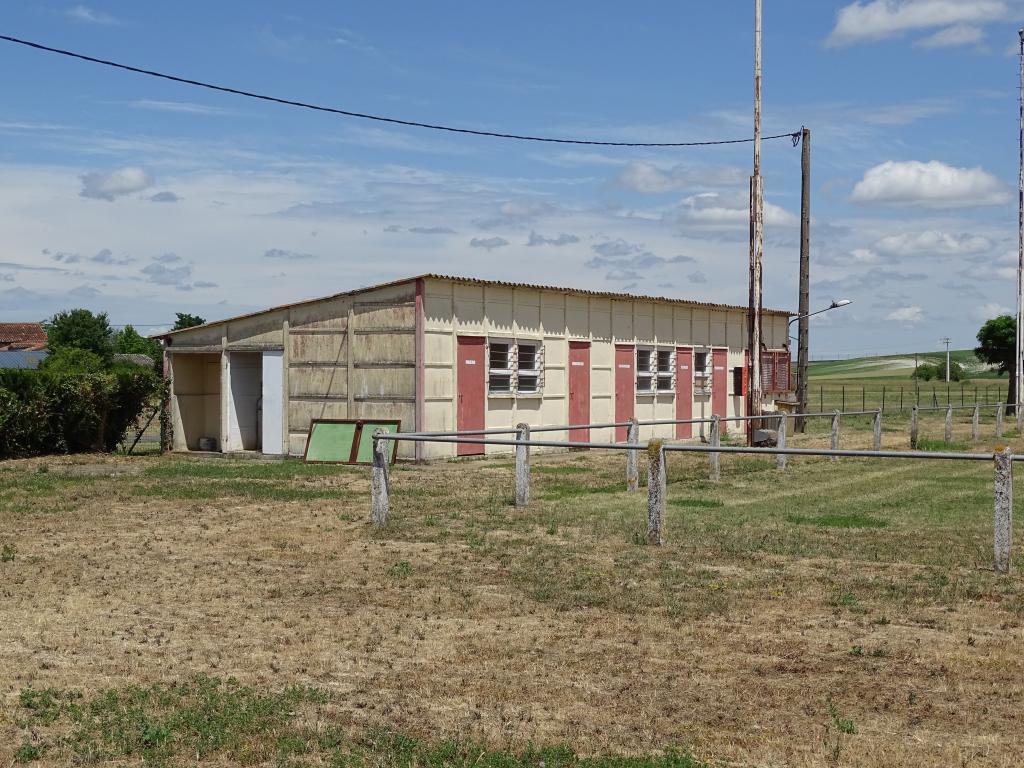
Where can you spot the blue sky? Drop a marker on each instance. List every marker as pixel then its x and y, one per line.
pixel 143 197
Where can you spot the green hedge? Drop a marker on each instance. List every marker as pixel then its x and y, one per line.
pixel 43 412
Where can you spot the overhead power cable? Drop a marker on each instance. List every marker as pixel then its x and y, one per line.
pixel 794 136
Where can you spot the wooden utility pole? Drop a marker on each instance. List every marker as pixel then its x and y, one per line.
pixel 1019 359
pixel 804 323
pixel 756 242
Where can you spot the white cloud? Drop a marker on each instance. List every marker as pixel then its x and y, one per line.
pixel 526 209
pixel 650 179
pixel 489 243
pixel 281 253
pixel 906 113
pixel 906 315
pixel 182 107
pixel 563 239
pixel 161 274
pixel 930 185
pixel 164 197
pixel 863 256
pixel 348 39
pixel 961 34
pixel 90 16
pixel 933 243
pixel 727 211
pixel 880 19
pixel 432 230
pixel 121 181
pixel 991 310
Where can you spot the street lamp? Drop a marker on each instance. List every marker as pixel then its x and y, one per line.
pixel 833 305
pixel 801 369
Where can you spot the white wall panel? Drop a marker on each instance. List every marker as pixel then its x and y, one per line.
pixel 273 403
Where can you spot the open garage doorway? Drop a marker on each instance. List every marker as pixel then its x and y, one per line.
pixel 197 396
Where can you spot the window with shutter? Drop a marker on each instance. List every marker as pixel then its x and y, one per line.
pixel 528 368
pixel 515 367
pixel 645 370
pixel 499 367
pixel 666 370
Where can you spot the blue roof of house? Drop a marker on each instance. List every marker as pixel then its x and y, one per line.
pixel 21 358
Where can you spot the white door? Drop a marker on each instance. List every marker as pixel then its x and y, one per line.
pixel 244 398
pixel 273 402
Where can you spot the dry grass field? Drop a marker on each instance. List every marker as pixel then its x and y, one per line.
pixel 168 611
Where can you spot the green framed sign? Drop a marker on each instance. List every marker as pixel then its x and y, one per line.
pixel 346 441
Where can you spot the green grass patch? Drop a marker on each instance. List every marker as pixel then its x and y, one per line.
pixel 208 719
pixel 247 490
pixel 697 503
pixel 561 469
pixel 939 446
pixel 226 469
pixel 835 520
pixel 569 489
pixel 198 719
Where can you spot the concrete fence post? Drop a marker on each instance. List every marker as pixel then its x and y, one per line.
pixel 1003 538
pixel 1000 418
pixel 632 472
pixel 913 428
pixel 780 458
pixel 657 490
pixel 877 435
pixel 714 457
pixel 380 484
pixel 1019 412
pixel 947 433
pixel 835 434
pixel 522 466
pixel 975 423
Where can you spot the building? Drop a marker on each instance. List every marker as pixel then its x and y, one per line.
pixel 22 336
pixel 132 358
pixel 444 353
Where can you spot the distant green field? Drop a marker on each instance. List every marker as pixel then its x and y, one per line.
pixel 896 367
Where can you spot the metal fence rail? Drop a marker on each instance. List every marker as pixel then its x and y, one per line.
pixel 770 417
pixel 780 420
pixel 657 470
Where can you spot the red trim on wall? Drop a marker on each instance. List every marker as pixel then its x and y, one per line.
pixel 684 391
pixel 421 368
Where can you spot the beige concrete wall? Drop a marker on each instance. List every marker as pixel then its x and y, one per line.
pixel 354 356
pixel 195 398
pixel 346 357
pixel 554 318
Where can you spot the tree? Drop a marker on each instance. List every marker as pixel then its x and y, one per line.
pixel 997 345
pixel 937 371
pixel 185 320
pixel 81 329
pixel 67 361
pixel 128 341
pixel 924 372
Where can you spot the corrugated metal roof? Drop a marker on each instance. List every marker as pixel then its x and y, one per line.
pixel 485 282
pixel 134 358
pixel 21 358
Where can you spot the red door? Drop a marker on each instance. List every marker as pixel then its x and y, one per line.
pixel 472 364
pixel 579 389
pixel 720 384
pixel 625 387
pixel 684 390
